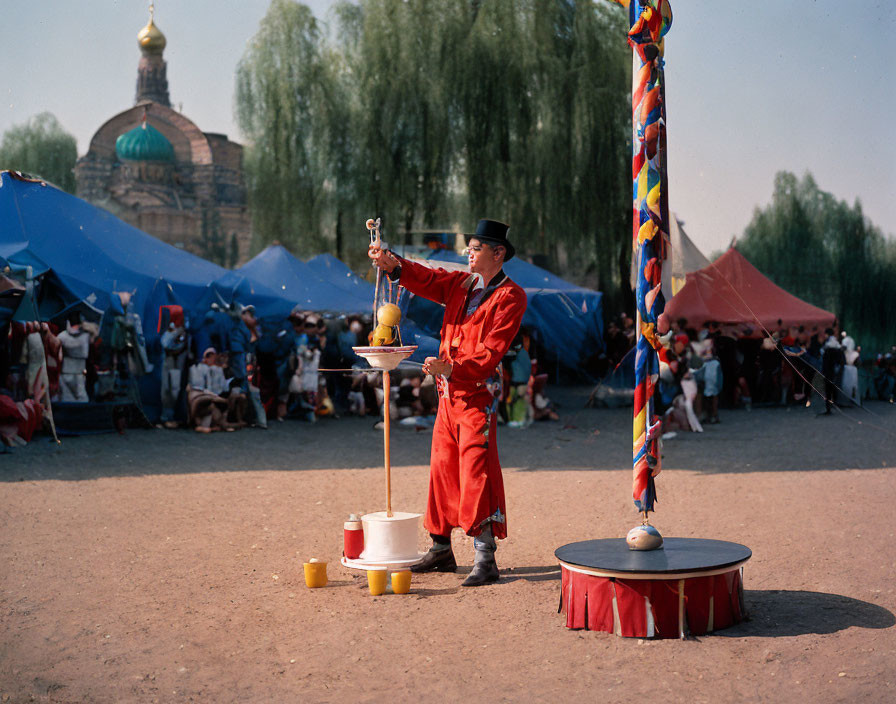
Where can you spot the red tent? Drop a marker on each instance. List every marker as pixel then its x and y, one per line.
pixel 731 291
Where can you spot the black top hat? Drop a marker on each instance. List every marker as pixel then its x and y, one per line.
pixel 494 233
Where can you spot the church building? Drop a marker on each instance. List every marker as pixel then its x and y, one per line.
pixel 155 169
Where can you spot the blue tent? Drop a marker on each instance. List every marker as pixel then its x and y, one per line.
pixel 568 319
pixel 334 270
pixel 84 253
pixel 617 388
pixel 340 291
pixel 235 286
pixel 297 281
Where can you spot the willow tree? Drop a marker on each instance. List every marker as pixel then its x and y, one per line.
pixel 492 88
pixel 433 113
pixel 581 150
pixel 542 109
pixel 283 89
pixel 783 241
pixel 43 148
pixel 397 52
pixel 827 252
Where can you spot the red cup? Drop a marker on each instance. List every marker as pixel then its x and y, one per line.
pixel 353 540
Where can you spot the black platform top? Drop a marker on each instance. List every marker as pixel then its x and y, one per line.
pixel 676 555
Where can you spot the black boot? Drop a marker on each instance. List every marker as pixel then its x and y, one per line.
pixel 484 572
pixel 437 561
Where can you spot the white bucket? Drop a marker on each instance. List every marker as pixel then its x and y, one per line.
pixel 390 538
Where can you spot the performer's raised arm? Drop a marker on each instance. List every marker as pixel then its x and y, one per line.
pixel 433 284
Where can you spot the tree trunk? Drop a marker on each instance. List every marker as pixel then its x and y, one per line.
pixel 339 242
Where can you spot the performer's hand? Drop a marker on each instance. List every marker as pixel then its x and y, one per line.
pixel 382 258
pixel 435 366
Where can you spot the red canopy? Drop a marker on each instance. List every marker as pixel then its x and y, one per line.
pixel 731 291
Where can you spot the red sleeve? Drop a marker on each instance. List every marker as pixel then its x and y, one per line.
pixel 434 284
pixel 491 350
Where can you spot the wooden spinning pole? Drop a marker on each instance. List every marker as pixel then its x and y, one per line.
pixel 386 420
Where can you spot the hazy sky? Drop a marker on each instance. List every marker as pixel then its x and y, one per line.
pixel 752 89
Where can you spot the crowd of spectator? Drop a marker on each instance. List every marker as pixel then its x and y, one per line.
pixel 272 371
pixel 521 397
pixel 231 370
pixel 732 367
pixel 524 396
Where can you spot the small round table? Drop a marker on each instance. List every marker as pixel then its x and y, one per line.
pixel 689 586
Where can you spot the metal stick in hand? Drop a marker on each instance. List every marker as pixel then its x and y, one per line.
pixel 373 228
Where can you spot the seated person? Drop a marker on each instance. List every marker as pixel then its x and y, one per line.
pixel 543 407
pixel 229 388
pixel 324 405
pixel 885 378
pixel 409 397
pixel 519 404
pixel 206 409
pixel 429 396
pixel 356 403
pixel 668 383
pixel 304 386
pixel 677 389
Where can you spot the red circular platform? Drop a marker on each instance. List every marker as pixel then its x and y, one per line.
pixel 690 586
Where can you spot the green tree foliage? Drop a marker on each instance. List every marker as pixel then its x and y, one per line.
pixel 435 113
pixel 282 92
pixel 43 148
pixel 828 253
pixel 398 53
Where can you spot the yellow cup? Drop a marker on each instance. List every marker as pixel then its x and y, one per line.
pixel 376 581
pixel 401 582
pixel 315 574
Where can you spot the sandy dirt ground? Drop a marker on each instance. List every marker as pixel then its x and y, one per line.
pixel 166 566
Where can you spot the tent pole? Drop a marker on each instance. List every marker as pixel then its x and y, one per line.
pixel 386 421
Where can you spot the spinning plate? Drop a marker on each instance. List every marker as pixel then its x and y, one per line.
pixel 385 358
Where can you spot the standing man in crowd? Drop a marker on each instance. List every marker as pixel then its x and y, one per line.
pixel 832 361
pixel 75 345
pixel 243 338
pixel 174 361
pixel 483 311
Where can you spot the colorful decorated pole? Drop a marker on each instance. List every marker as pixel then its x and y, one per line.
pixel 692 586
pixel 649 21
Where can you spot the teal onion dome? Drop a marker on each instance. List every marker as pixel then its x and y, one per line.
pixel 144 143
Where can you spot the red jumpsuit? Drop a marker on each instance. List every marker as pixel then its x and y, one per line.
pixel 465 484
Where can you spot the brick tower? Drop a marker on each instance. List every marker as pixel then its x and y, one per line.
pixel 152 78
pixel 154 168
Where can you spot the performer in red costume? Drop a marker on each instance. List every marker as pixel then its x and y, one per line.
pixel 482 316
